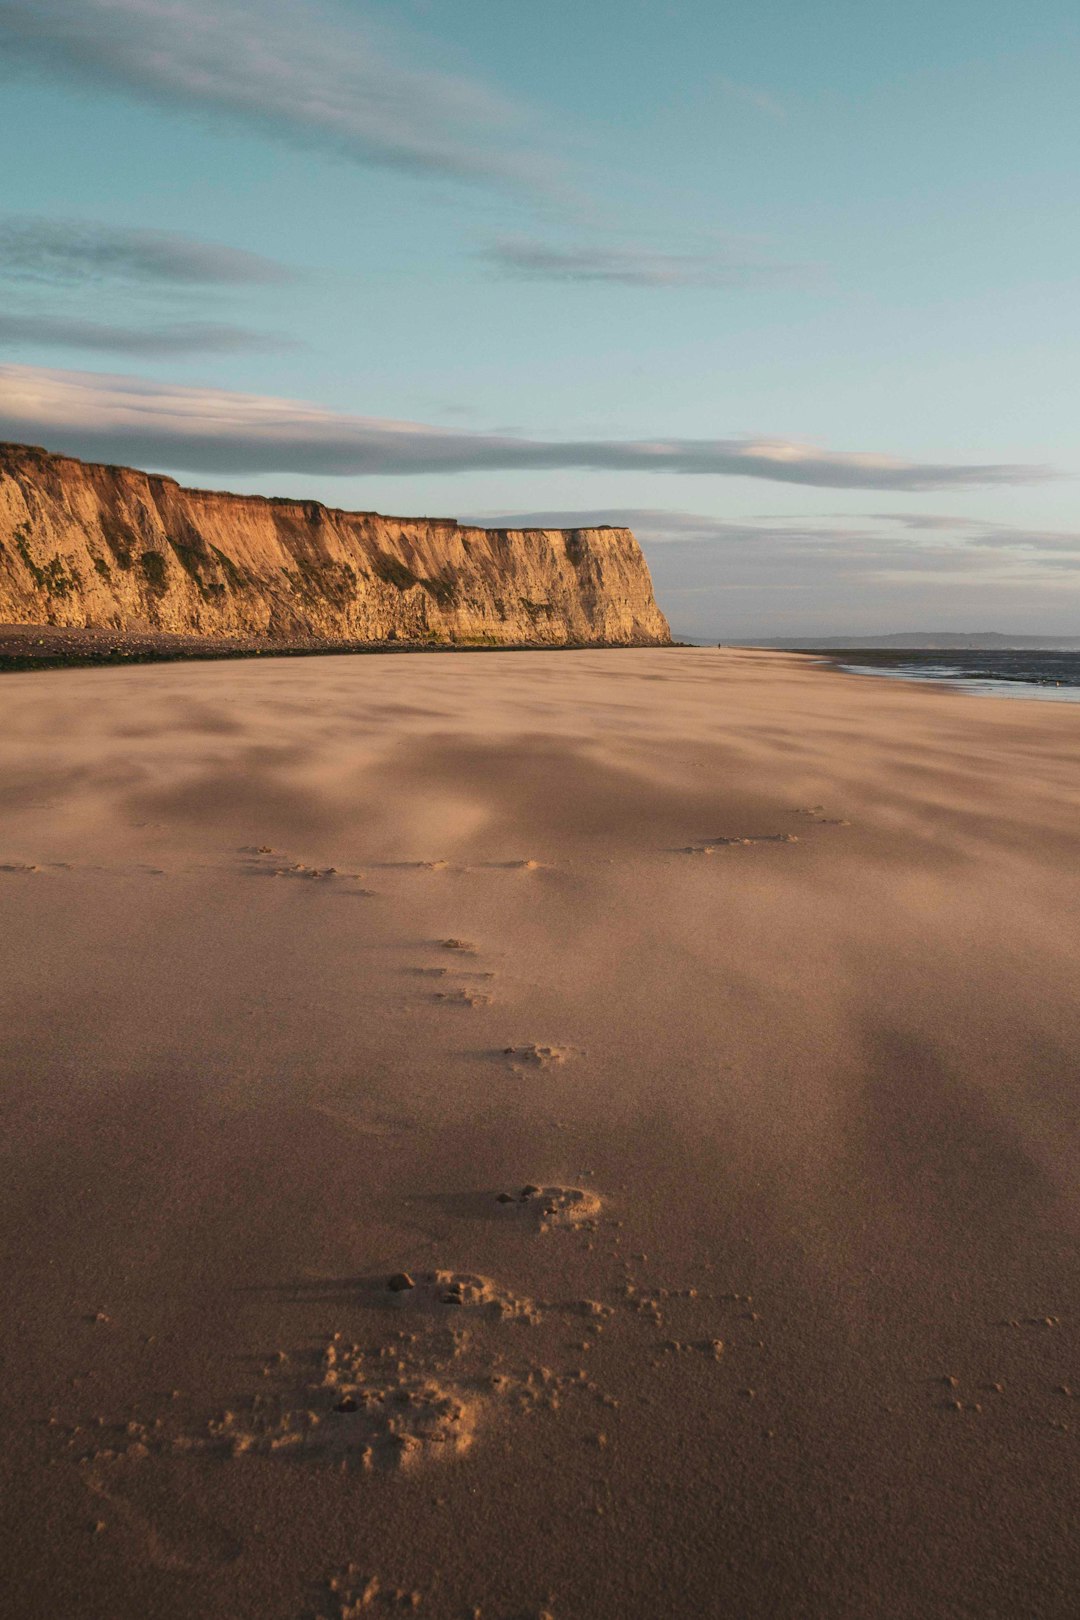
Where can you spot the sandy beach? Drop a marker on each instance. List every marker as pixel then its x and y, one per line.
pixel 691 1035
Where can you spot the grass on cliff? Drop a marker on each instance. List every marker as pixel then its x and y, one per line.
pixel 156 570
pixel 53 577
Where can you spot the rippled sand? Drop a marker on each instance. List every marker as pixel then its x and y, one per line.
pixel 689 1037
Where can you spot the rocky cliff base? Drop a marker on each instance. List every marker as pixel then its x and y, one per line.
pixel 51 646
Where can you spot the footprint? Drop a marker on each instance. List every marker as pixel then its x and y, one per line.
pixel 465 1291
pixel 438 1360
pixel 816 813
pixel 259 866
pixel 542 1057
pixel 390 1420
pixel 714 844
pixel 419 1393
pixel 301 871
pixel 466 996
pixel 545 1208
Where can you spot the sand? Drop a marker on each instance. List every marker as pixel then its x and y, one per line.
pixel 691 1036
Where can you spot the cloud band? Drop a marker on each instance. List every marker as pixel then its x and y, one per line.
pixel 302 72
pixel 211 430
pixel 73 250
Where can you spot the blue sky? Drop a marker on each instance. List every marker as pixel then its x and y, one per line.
pixel 791 289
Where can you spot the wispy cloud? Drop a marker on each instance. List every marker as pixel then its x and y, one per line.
pixel 989 533
pixel 997 538
pixel 300 71
pixel 528 259
pixel 753 549
pixel 77 250
pixel 171 338
pixel 927 522
pixel 212 430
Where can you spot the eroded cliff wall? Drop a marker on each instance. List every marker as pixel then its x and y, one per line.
pixel 90 545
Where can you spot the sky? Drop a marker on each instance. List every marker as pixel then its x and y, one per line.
pixel 791 290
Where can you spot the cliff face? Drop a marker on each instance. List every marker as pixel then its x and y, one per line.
pixel 89 545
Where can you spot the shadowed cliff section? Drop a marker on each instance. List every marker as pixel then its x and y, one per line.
pixel 86 545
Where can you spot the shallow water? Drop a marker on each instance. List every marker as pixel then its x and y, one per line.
pixel 1030 674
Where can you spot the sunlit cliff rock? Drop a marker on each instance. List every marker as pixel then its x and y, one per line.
pixel 89 545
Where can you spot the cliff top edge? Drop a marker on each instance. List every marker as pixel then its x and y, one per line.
pixel 11 449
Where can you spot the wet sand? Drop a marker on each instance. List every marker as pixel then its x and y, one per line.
pixel 692 1038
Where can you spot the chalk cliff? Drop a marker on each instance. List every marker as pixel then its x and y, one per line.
pixel 89 545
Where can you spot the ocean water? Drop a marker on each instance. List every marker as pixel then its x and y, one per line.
pixel 1050 675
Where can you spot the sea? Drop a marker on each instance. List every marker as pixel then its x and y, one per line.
pixel 1054 676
